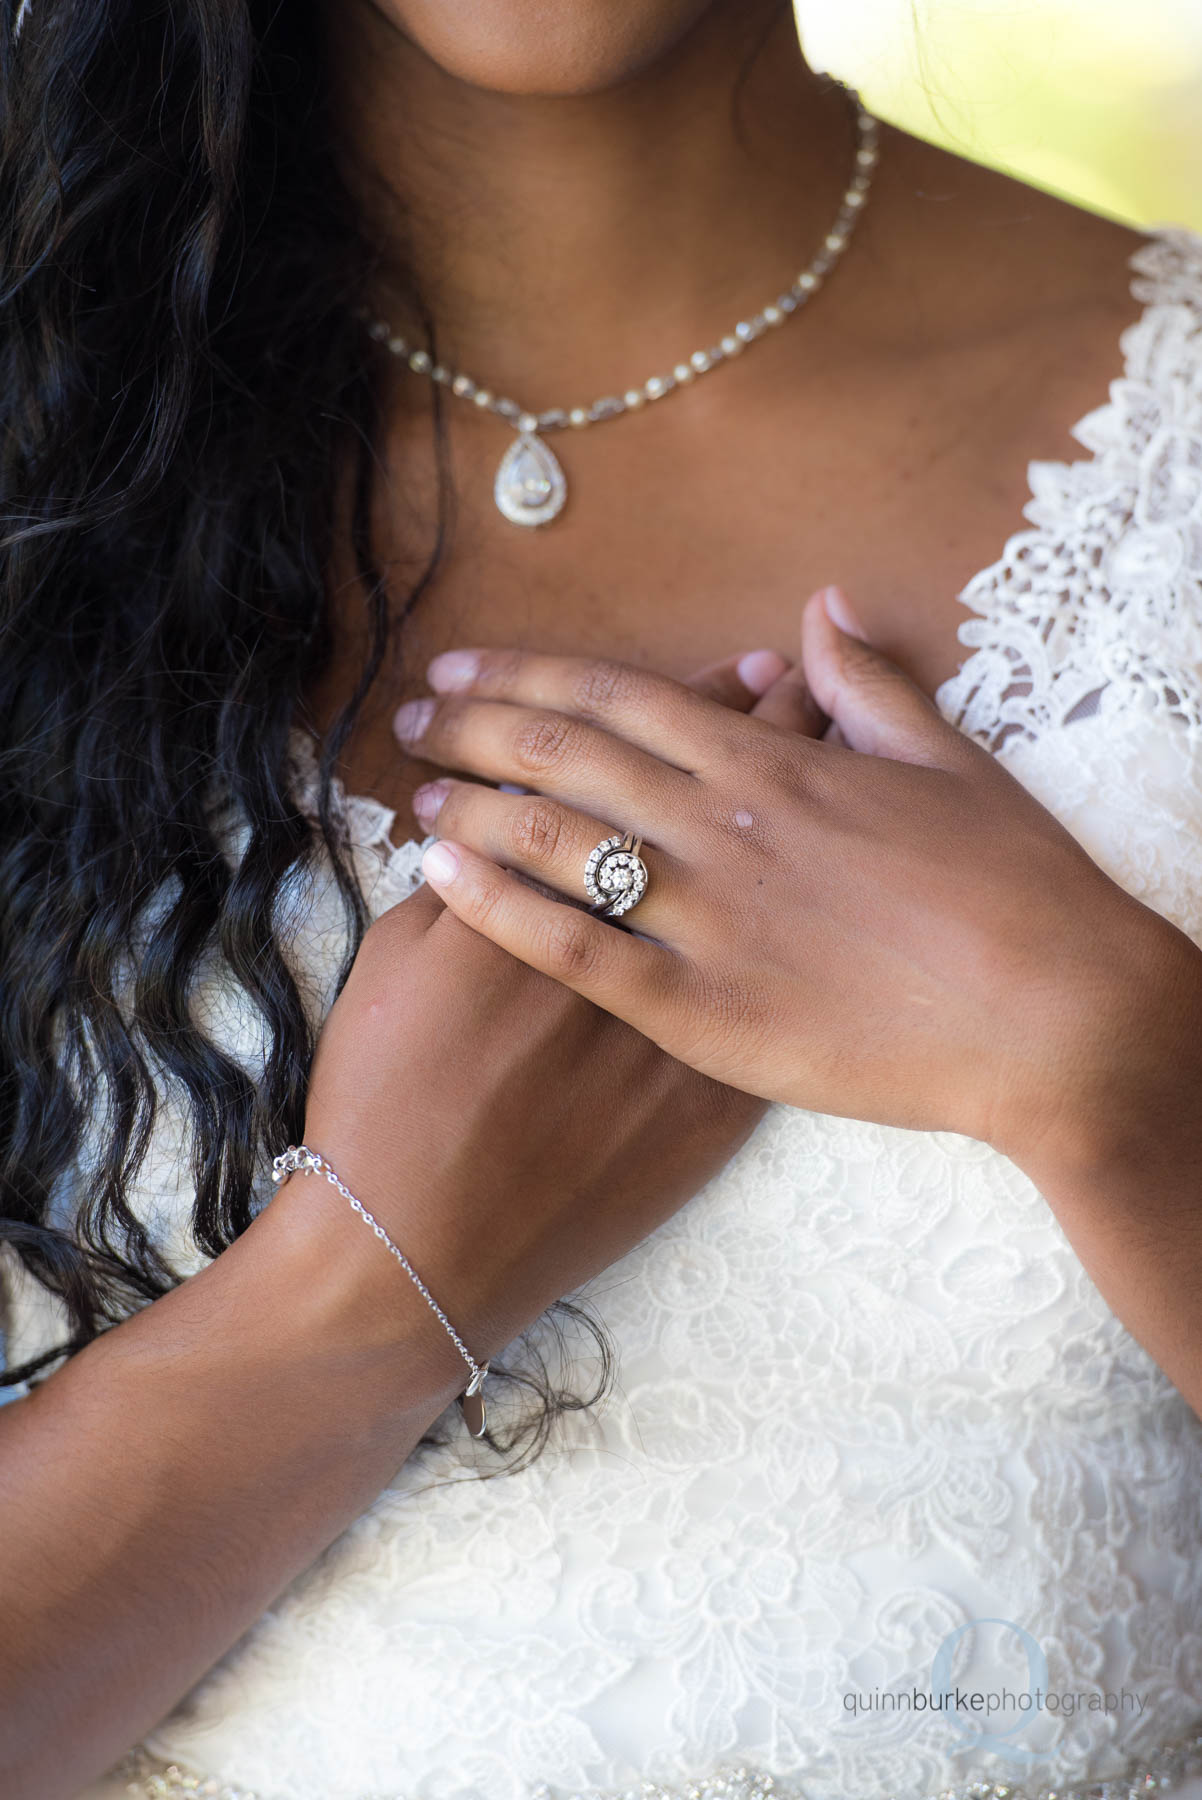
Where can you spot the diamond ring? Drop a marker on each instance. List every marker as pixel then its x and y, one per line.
pixel 615 876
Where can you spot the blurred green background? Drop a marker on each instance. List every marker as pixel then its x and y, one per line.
pixel 1098 100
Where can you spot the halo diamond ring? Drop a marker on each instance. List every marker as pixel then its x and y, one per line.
pixel 615 875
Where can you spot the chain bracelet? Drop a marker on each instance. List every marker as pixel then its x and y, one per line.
pixel 298 1159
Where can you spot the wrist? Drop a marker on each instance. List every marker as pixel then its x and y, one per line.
pixel 1130 1104
pixel 317 1261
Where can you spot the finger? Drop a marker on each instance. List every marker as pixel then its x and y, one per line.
pixel 544 840
pixel 631 977
pixel 663 717
pixel 739 681
pixel 790 704
pixel 565 757
pixel 764 684
pixel 874 703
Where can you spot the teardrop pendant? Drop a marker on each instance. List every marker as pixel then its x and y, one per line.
pixel 471 1403
pixel 530 488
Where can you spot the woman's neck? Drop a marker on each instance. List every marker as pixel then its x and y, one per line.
pixel 565 245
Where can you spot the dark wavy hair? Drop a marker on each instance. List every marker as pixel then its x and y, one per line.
pixel 184 381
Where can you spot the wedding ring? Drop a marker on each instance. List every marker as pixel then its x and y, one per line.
pixel 615 875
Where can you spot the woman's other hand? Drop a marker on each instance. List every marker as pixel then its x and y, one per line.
pixel 883 924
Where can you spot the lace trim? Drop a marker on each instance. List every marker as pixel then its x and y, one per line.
pixel 1162 1771
pixel 369 823
pixel 1109 581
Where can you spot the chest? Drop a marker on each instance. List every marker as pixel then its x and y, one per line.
pixel 697 529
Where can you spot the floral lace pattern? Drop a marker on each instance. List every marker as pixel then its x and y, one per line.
pixel 867 1394
pixel 1096 609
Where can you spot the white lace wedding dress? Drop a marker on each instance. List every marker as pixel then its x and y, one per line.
pixel 866 1393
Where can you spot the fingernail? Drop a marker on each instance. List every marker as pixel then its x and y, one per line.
pixel 427 801
pixel 760 668
pixel 839 611
pixel 411 719
pixel 453 669
pixel 511 787
pixel 440 864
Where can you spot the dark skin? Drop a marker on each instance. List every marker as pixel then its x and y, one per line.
pixel 582 210
pixel 881 440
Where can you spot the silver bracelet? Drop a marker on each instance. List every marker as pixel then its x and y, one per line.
pixel 298 1159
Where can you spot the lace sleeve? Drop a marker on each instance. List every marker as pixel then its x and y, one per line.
pixel 1097 609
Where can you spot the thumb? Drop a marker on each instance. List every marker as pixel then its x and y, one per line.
pixel 875 706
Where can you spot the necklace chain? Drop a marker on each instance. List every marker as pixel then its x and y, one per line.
pixel 530 487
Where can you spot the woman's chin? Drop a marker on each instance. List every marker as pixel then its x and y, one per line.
pixel 545 47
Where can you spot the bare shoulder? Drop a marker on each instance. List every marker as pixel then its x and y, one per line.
pixel 1000 248
pixel 1024 295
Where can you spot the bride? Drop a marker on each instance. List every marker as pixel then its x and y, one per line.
pixel 603 663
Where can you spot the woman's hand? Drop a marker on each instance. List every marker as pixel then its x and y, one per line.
pixel 904 935
pixel 512 1138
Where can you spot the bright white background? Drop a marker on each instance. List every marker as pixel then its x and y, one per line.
pixel 1098 99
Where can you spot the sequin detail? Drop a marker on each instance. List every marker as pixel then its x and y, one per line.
pixel 1159 1773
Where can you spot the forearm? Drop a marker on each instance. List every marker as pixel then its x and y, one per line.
pixel 161 1488
pixel 1123 1173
